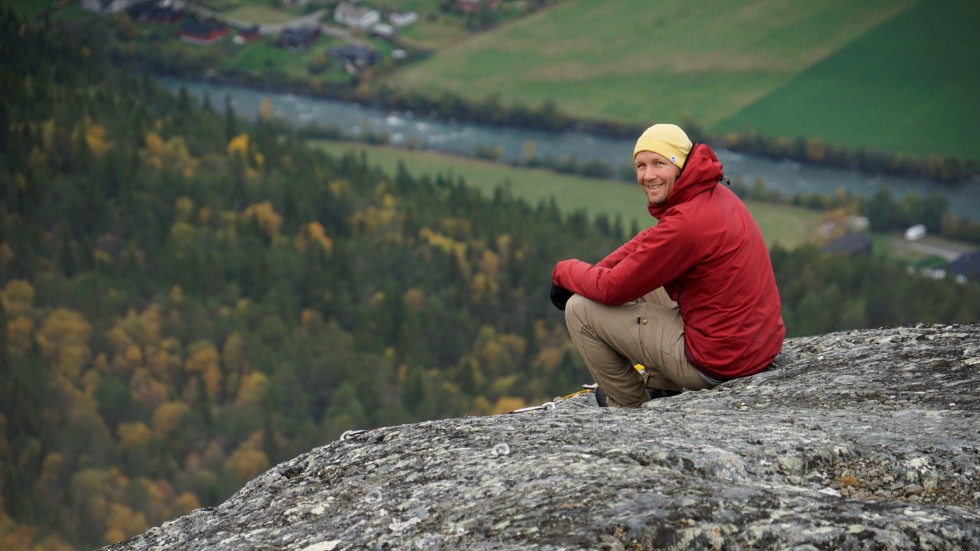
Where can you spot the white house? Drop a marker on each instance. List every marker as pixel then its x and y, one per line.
pixel 402 19
pixel 105 7
pixel 355 17
pixel 915 233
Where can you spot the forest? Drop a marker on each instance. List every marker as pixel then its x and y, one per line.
pixel 188 297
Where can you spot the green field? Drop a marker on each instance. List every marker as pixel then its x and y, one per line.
pixel 263 13
pixel 854 73
pixel 909 86
pixel 788 226
pixel 631 60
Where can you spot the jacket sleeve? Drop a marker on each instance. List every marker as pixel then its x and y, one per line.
pixel 654 257
pixel 618 255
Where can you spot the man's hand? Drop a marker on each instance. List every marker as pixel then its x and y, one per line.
pixel 559 296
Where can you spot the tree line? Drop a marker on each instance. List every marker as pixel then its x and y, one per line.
pixel 189 296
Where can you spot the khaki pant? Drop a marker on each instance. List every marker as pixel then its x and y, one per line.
pixel 648 331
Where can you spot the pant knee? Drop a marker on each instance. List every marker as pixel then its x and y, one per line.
pixel 575 301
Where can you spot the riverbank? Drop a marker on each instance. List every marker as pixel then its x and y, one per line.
pixel 413 130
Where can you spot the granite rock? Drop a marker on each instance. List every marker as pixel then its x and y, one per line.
pixel 854 440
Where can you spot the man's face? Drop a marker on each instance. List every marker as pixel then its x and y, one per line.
pixel 656 175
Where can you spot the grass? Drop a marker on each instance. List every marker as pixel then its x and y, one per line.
pixel 898 76
pixel 259 14
pixel 263 55
pixel 789 226
pixel 28 8
pixel 631 60
pixel 878 92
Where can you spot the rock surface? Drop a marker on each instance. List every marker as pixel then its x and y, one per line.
pixel 855 440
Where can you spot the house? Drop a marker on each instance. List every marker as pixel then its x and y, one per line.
pixel 966 267
pixel 471 6
pixel 355 56
pixel 247 35
pixel 202 33
pixel 162 13
pixel 298 38
pixel 383 30
pixel 356 17
pixel 851 244
pixel 402 18
pixel 915 233
pixel 106 7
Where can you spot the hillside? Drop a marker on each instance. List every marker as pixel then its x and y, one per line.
pixel 858 440
pixel 858 85
pixel 784 69
pixel 912 76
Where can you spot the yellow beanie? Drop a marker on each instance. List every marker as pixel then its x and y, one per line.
pixel 667 140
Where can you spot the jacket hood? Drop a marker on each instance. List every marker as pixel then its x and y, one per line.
pixel 702 171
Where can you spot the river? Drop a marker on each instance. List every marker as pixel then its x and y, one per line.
pixel 424 132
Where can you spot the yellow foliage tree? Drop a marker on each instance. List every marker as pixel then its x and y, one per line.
pixel 18 298
pixel 133 436
pixel 247 461
pixel 15 536
pixel 265 110
pixel 164 359
pixel 252 390
pixel 123 523
pixel 184 503
pixel 95 139
pixel 63 338
pixel 239 145
pixel 548 360
pixel 316 234
pixel 265 215
pixel 508 403
pixel 168 416
pixel 20 336
pixel 414 299
pixel 148 389
pixel 202 355
pixel 203 360
pixel 172 153
pixel 53 477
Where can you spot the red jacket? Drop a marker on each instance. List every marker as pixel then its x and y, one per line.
pixel 708 254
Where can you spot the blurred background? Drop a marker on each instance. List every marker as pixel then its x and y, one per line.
pixel 231 230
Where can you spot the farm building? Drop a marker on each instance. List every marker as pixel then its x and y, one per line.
pixel 966 267
pixel 355 17
pixel 298 38
pixel 202 33
pixel 355 55
pixel 851 244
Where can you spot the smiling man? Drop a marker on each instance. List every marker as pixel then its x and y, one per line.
pixel 686 304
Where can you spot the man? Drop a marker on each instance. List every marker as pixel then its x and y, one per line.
pixel 692 300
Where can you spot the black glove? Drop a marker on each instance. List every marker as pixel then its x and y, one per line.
pixel 559 296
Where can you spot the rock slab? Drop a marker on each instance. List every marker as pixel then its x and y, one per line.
pixel 855 440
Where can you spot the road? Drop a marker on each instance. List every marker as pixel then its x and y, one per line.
pixel 933 247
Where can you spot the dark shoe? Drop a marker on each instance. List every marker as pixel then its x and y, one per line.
pixel 600 398
pixel 661 393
